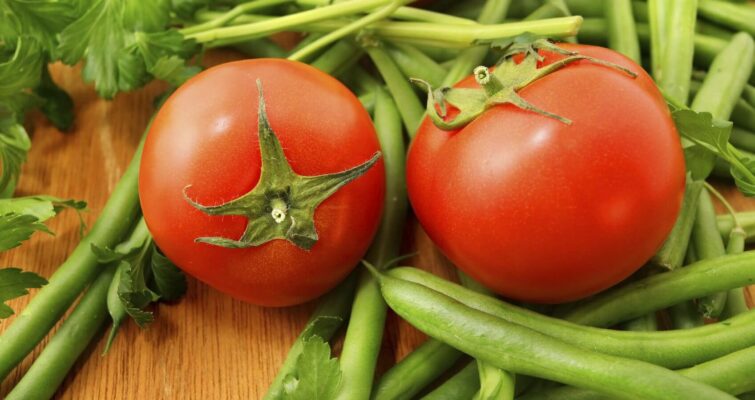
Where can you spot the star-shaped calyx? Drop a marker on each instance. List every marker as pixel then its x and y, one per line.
pixel 282 204
pixel 501 85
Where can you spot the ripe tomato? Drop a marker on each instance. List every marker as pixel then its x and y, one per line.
pixel 205 138
pixel 542 211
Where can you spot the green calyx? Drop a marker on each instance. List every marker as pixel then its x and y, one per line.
pixel 502 85
pixel 282 204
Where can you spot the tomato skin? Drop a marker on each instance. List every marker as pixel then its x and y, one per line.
pixel 204 139
pixel 541 211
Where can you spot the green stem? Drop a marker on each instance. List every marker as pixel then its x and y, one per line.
pixel 493 12
pixel 52 365
pixel 70 279
pixel 232 14
pixel 664 290
pixel 333 310
pixel 439 35
pixel 408 103
pixel 348 29
pixel 365 332
pixel 264 28
pixel 406 13
pixel 416 371
pixel 463 385
pixel 622 33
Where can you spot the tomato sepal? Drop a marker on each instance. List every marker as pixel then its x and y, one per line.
pixel 501 85
pixel 283 203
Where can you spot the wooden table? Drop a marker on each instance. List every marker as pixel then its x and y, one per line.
pixel 207 346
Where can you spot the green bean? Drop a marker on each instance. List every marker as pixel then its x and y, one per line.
pixel 658 11
pixel 743 114
pixel 361 346
pixel 735 16
pixel 713 30
pixel 746 219
pixel 742 139
pixel 52 365
pixel 672 349
pixel 645 323
pixel 656 292
pixel 731 373
pixel 492 12
pixel 749 94
pixel 727 77
pixel 259 48
pixel 406 99
pixel 622 33
pixel 736 303
pixel 677 48
pixel 521 350
pixel 708 244
pixel 671 254
pixel 463 385
pixel 415 64
pixel 332 310
pixel 338 57
pixel 495 384
pixel 412 374
pixel 70 279
pixel 547 10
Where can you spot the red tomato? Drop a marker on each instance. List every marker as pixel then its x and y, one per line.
pixel 205 136
pixel 542 211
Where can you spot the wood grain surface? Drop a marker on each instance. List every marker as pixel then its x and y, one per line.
pixel 207 346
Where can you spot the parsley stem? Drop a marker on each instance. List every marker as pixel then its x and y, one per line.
pixel 278 24
pixel 231 14
pixel 81 267
pixel 59 355
pixel 250 26
pixel 405 13
pixel 347 29
pixel 365 332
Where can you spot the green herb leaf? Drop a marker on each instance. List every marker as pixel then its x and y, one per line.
pixel 42 19
pixel 22 216
pixel 14 146
pixel 125 44
pixel 170 282
pixel 704 139
pixel 56 105
pixel 15 283
pixel 186 8
pixel 316 375
pixel 133 290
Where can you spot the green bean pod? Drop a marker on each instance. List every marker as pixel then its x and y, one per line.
pixel 727 77
pixel 521 350
pixel 622 32
pixel 708 244
pixel 415 372
pixel 671 254
pixel 416 64
pixel 736 302
pixel 671 349
pixel 463 385
pixel 735 16
pixel 663 290
pixel 731 373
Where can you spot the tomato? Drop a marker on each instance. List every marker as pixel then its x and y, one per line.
pixel 204 140
pixel 542 211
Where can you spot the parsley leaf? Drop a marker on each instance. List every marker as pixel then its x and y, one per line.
pixel 704 139
pixel 14 146
pixel 169 281
pixel 14 283
pixel 125 45
pixel 186 8
pixel 22 216
pixel 316 375
pixel 42 19
pixel 56 104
